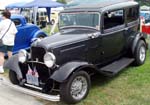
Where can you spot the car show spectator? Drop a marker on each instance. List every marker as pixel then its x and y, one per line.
pixel 7 35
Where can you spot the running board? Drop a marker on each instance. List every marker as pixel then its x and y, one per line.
pixel 116 66
pixel 30 92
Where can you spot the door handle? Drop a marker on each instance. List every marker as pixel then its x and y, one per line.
pixel 94 35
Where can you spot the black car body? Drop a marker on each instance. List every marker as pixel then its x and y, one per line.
pixel 94 38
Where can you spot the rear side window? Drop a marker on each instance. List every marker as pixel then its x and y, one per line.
pixel 132 14
pixel 113 19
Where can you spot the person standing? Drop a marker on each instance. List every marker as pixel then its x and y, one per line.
pixel 7 34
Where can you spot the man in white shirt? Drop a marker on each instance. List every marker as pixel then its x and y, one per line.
pixel 7 34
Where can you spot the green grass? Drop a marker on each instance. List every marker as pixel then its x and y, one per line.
pixel 47 29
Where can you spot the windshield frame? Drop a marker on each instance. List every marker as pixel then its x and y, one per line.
pixel 79 26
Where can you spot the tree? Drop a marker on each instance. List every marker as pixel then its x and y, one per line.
pixel 144 2
pixel 62 1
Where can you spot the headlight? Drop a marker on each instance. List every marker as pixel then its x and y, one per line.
pixel 49 59
pixel 22 56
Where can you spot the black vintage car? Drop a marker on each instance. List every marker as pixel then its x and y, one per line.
pixel 98 38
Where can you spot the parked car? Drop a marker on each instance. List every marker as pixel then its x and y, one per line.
pixel 98 38
pixel 26 33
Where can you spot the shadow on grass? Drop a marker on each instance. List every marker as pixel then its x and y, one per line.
pixel 102 80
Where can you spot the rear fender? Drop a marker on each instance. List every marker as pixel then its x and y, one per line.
pixel 66 70
pixel 38 33
pixel 139 36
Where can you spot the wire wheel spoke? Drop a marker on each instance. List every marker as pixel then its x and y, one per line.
pixel 79 87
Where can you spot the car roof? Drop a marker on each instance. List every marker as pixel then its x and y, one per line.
pixel 103 6
pixel 16 16
pixel 20 17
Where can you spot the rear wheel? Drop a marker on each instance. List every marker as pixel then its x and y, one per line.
pixel 76 88
pixel 13 77
pixel 140 53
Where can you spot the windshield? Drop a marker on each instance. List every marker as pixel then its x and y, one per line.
pixel 79 19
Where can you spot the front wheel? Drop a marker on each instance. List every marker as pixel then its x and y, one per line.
pixel 76 88
pixel 13 77
pixel 140 53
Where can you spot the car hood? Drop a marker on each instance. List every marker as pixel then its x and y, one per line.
pixel 59 40
pixel 62 39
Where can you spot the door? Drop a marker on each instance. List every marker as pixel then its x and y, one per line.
pixel 94 48
pixel 113 39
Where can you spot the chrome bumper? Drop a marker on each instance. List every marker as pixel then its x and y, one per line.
pixel 29 92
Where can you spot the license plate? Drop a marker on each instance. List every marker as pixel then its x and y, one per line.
pixel 32 77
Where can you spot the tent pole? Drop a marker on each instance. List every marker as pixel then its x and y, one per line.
pixel 35 11
pixel 54 26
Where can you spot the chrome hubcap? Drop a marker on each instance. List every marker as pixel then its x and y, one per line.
pixel 142 54
pixel 79 87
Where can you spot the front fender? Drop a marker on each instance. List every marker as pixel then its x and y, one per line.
pixel 12 64
pixel 64 72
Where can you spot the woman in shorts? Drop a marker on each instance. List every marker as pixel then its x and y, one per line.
pixel 7 34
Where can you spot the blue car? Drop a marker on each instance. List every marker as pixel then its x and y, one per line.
pixel 26 33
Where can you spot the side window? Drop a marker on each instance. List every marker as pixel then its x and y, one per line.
pixel 17 22
pixel 132 14
pixel 113 18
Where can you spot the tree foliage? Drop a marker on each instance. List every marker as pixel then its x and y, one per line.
pixel 144 2
pixel 62 1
